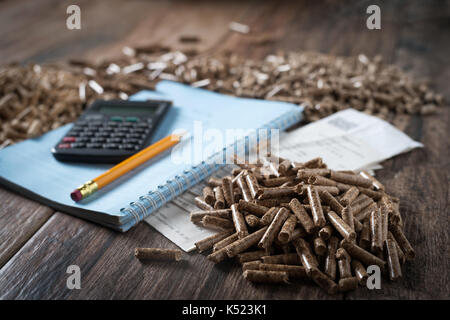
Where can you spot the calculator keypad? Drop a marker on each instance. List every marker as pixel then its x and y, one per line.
pixel 117 133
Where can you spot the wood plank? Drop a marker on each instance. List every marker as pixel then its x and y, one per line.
pixel 19 220
pixel 110 271
pixel 36 31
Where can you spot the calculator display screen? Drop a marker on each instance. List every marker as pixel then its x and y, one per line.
pixel 127 109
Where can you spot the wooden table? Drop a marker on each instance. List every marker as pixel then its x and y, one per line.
pixel 37 244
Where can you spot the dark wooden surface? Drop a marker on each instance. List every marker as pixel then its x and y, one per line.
pixel 37 245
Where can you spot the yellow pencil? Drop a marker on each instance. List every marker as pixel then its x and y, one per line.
pixel 125 166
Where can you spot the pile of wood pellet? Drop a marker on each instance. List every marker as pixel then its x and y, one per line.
pixel 303 221
pixel 37 98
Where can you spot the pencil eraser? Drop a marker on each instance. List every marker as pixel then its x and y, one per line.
pixel 76 195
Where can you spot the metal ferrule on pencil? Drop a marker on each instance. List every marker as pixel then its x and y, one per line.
pixel 88 188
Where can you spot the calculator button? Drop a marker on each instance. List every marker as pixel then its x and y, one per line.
pixel 102 134
pixel 87 134
pixel 78 145
pixel 116 119
pixel 64 146
pixel 101 140
pixel 133 135
pixel 132 119
pixel 114 140
pixel 133 141
pixel 91 117
pixel 141 130
pixel 83 139
pixel 118 135
pixel 129 147
pixel 127 124
pixel 73 134
pixel 110 146
pixel 112 124
pixel 69 139
pixel 142 125
pixel 94 145
pixel 107 127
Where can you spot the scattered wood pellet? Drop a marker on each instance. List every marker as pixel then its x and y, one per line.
pixel 309 233
pixel 158 254
pixel 263 276
pixel 239 27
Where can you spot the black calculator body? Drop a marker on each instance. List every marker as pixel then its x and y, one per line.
pixel 110 131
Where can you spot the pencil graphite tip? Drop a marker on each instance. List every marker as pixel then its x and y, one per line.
pixel 180 134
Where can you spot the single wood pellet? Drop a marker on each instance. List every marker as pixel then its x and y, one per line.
pixel 216 223
pixel 344 267
pixel 197 216
pixel 287 258
pixel 267 218
pixel 244 187
pixel 254 208
pixel 302 216
pixel 304 230
pixel 219 198
pixel 330 260
pixel 287 229
pixel 294 272
pixel 375 231
pixel 158 254
pixel 375 183
pixel 307 258
pixel 320 247
pixel 208 195
pixel 253 186
pixel 251 265
pixel 340 226
pixel 316 207
pixel 252 220
pixel 239 222
pixel 227 188
pixel 360 272
pixel 349 196
pixel 394 268
pixel 263 276
pixel 201 203
pixel 209 242
pixel 273 229
pixel 224 242
pixel 251 255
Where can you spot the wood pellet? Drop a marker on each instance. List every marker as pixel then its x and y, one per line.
pixel 308 232
pixel 158 254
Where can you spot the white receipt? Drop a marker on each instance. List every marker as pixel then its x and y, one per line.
pixel 346 140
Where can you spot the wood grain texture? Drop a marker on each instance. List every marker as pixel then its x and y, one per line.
pixel 19 219
pixel 109 269
pixel 413 36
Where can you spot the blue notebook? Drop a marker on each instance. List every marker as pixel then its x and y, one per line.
pixel 29 167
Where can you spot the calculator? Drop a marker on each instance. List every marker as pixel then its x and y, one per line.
pixel 110 131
